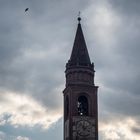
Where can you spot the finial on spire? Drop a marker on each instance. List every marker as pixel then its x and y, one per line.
pixel 79 18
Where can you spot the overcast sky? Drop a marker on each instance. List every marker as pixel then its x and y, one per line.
pixel 34 48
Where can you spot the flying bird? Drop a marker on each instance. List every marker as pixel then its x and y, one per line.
pixel 26 9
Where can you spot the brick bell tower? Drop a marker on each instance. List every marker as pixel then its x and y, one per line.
pixel 80 94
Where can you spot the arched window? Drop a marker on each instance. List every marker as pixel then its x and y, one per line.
pixel 82 105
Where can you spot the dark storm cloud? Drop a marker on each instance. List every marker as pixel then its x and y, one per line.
pixel 127 48
pixel 35 46
pixel 119 68
pixel 126 7
pixel 124 73
pixel 115 48
pixel 20 34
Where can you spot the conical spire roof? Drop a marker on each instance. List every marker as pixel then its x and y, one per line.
pixel 79 55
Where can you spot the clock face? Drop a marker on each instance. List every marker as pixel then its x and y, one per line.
pixel 83 128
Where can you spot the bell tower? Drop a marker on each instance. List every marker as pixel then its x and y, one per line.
pixel 80 93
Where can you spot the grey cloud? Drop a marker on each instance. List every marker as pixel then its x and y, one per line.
pixel 35 76
pixel 136 129
pixel 117 64
pixel 126 7
pixel 119 69
pixel 52 24
pixel 34 133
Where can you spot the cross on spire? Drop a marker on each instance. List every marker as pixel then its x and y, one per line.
pixel 79 17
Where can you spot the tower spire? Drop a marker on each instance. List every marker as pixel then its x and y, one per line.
pixel 79 55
